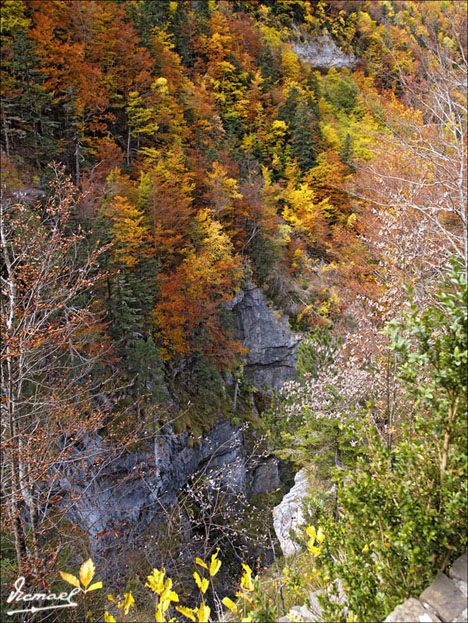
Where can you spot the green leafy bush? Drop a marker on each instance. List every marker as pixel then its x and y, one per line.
pixel 402 506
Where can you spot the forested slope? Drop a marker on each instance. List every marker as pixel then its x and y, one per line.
pixel 159 158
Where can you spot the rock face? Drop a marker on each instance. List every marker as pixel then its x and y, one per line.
pixel 271 357
pixel 322 53
pixel 288 514
pixel 133 490
pixel 265 476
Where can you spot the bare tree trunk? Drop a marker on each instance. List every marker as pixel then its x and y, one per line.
pixel 128 147
pixel 7 137
pixel 236 390
pixel 77 162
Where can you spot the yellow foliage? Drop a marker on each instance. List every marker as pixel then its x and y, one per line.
pixel 215 563
pixel 229 604
pixel 200 562
pixel 246 580
pixel 71 579
pixel 190 613
pixel 330 135
pixel 315 536
pixel 271 36
pixel 86 575
pixel 290 64
pixel 86 572
pixel 202 583
pixel 12 17
pixel 203 613
pixel 128 230
pixel 156 581
pixel 302 212
pixel 166 39
pixel 279 127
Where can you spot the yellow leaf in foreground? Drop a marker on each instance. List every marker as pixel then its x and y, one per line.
pixel 128 602
pixel 246 580
pixel 201 583
pixel 215 564
pixel 310 531
pixel 87 572
pixel 315 551
pixel 108 618
pixel 169 595
pixel 159 614
pixel 68 577
pixel 94 586
pixel 187 612
pixel 229 604
pixel 156 581
pixel 203 613
pixel 200 562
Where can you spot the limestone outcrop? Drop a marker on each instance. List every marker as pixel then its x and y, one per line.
pixel 131 491
pixel 288 515
pixel 322 53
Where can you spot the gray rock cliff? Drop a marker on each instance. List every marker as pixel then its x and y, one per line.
pixel 322 53
pixel 133 490
pixel 271 344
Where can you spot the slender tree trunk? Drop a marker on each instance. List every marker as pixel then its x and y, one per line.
pixel 7 137
pixel 14 509
pixel 128 147
pixel 77 162
pixel 390 401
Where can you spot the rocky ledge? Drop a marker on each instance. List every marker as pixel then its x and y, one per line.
pixel 288 515
pixel 444 600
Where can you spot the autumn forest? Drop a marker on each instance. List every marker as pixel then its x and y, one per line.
pixel 163 161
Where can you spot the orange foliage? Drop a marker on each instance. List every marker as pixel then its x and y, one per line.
pixel 193 293
pixel 167 197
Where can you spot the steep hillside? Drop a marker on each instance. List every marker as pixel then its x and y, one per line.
pixel 233 238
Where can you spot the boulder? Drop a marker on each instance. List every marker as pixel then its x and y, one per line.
pixel 445 598
pixel 411 611
pixel 298 614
